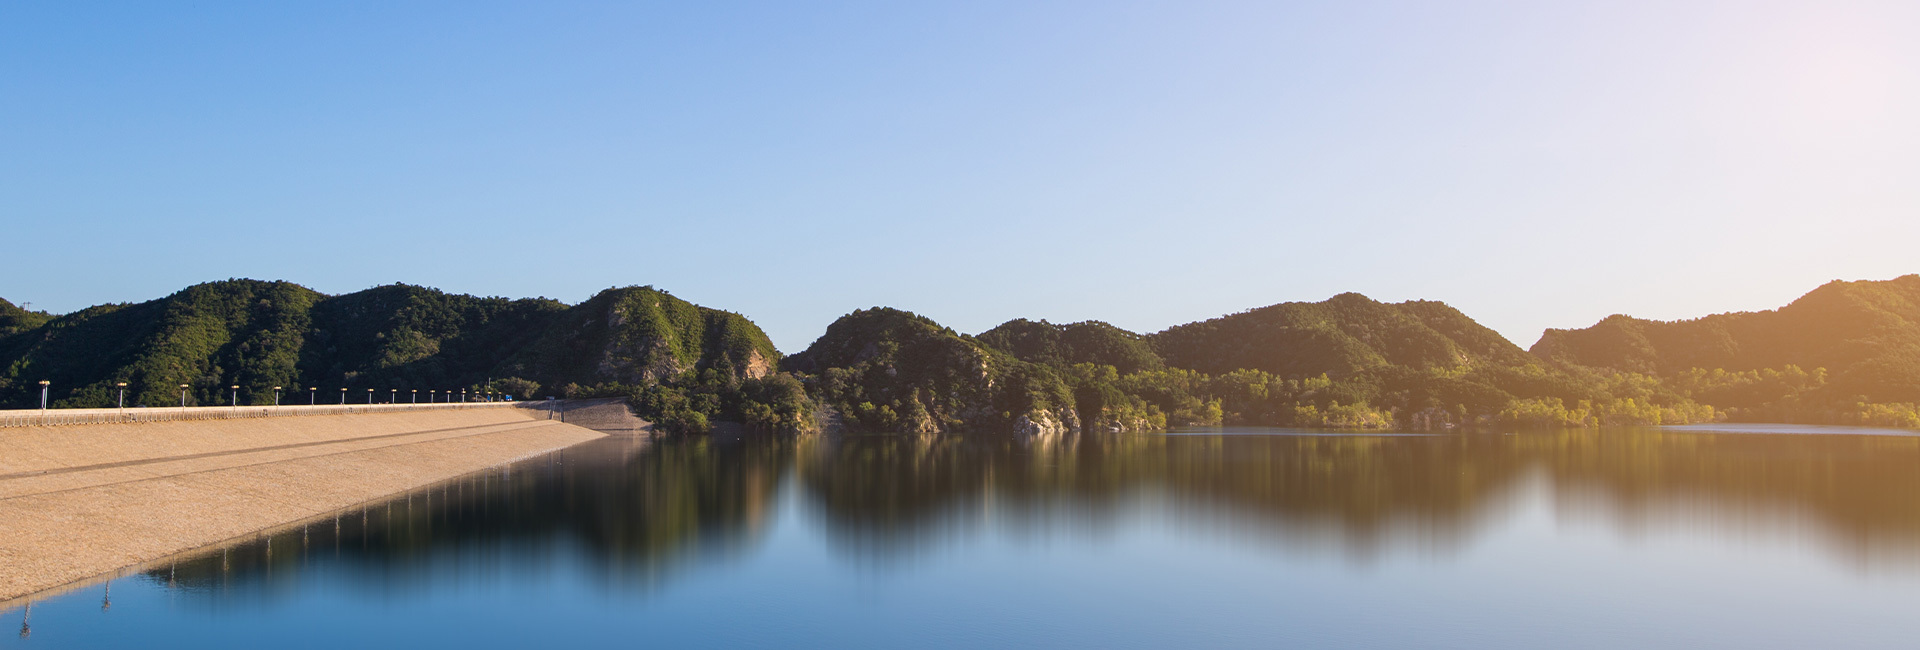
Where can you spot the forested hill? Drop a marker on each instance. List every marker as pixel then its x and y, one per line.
pixel 399 337
pixel 885 369
pixel 1849 352
pixel 1342 336
pixel 14 319
pixel 1866 335
pixel 1065 345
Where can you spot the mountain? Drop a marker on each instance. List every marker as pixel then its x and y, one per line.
pixel 259 335
pixel 889 370
pixel 1092 342
pixel 1340 337
pixel 1866 335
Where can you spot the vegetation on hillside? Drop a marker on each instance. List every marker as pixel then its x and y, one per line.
pixel 1340 337
pixel 15 319
pixel 395 340
pixel 1845 353
pixel 1065 345
pixel 890 370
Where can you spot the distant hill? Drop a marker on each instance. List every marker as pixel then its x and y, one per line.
pixel 1343 336
pixel 263 334
pixel 1865 334
pixel 891 370
pixel 1092 342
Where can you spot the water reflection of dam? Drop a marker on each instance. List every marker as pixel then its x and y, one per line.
pixel 635 512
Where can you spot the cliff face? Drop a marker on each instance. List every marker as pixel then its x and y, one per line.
pixel 890 370
pixel 264 334
pixel 1867 334
pixel 1342 336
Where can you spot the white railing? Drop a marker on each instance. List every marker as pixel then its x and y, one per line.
pixel 55 417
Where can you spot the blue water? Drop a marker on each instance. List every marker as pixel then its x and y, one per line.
pixel 1597 540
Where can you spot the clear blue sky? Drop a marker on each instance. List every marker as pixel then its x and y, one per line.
pixel 1534 164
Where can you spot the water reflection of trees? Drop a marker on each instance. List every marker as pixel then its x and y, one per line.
pixel 882 495
pixel 634 513
pixel 887 494
pixel 631 511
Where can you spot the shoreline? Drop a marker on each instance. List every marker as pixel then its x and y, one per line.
pixel 86 502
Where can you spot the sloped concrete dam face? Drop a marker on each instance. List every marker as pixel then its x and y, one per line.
pixel 80 501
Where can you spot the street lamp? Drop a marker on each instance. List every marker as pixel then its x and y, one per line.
pixel 463 396
pixel 369 397
pixel 123 395
pixel 183 396
pixel 276 395
pixel 313 393
pixel 416 395
pixel 236 395
pixel 43 395
pixel 343 397
pixel 393 396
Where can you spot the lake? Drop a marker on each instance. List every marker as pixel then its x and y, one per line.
pixel 1695 537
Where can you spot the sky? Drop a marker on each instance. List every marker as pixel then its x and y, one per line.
pixel 1533 164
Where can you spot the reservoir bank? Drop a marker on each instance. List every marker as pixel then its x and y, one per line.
pixel 84 499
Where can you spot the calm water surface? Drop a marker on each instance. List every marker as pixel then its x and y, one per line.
pixel 1242 538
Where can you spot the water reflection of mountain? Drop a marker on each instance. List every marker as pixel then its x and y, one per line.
pixel 888 495
pixel 631 512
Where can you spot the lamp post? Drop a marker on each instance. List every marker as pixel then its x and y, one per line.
pixel 276 395
pixel 343 397
pixel 369 397
pixel 236 395
pixel 43 398
pixel 393 396
pixel 183 396
pixel 463 396
pixel 429 396
pixel 313 394
pixel 122 402
pixel 416 396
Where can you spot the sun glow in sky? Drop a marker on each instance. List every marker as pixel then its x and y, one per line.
pixel 1533 164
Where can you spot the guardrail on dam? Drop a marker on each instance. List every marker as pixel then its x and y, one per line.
pixel 56 417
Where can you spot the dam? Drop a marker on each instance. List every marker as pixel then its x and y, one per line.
pixel 85 492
